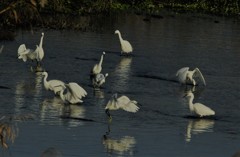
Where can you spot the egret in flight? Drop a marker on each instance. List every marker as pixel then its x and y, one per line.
pixel 125 45
pixel 74 93
pixel 122 102
pixel 97 67
pixel 198 108
pixel 99 80
pixel 186 76
pixel 53 85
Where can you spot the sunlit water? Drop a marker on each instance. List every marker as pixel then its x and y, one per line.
pixel 163 126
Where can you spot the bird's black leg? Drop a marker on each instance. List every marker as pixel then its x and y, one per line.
pixel 108 114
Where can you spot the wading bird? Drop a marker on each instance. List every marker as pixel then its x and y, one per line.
pixel 185 76
pixel 99 79
pixel 97 67
pixel 74 93
pixel 37 54
pixel 198 108
pixel 122 102
pixel 53 85
pixel 125 45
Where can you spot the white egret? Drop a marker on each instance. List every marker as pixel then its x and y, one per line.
pixel 53 85
pixel 122 102
pixel 37 54
pixel 39 50
pixel 186 76
pixel 99 80
pixel 98 67
pixel 74 93
pixel 198 108
pixel 25 54
pixel 125 45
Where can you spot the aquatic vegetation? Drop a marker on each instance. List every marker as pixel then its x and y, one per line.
pixel 58 14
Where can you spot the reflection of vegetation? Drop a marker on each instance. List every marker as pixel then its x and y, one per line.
pixel 8 132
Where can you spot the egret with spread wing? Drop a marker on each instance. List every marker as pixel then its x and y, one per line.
pixel 25 54
pixel 99 80
pixel 74 93
pixel 186 76
pixel 53 85
pixel 125 45
pixel 198 108
pixel 122 102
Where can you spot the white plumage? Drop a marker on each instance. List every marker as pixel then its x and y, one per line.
pixel 125 45
pixel 74 93
pixel 122 102
pixel 99 80
pixel 53 85
pixel 37 54
pixel 198 108
pixel 98 67
pixel 186 76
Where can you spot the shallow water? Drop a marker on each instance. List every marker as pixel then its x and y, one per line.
pixel 163 126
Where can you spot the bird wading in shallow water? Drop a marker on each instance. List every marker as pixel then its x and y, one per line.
pixel 53 85
pixel 74 93
pixel 185 76
pixel 99 80
pixel 125 45
pixel 122 102
pixel 97 68
pixel 29 54
pixel 197 108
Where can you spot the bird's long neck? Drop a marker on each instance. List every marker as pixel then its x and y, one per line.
pixel 101 60
pixel 120 36
pixel 62 96
pixel 190 102
pixel 45 81
pixel 41 41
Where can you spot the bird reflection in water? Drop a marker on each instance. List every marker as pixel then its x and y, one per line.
pixel 51 108
pixel 51 152
pixel 122 73
pixel 198 126
pixel 99 93
pixel 122 146
pixel 23 88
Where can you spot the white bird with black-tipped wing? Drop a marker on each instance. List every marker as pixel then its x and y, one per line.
pixel 53 85
pixel 74 93
pixel 122 102
pixel 125 45
pixel 198 108
pixel 186 76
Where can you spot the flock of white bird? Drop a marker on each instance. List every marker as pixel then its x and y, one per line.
pixel 73 93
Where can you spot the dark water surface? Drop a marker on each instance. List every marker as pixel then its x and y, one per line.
pixel 162 127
